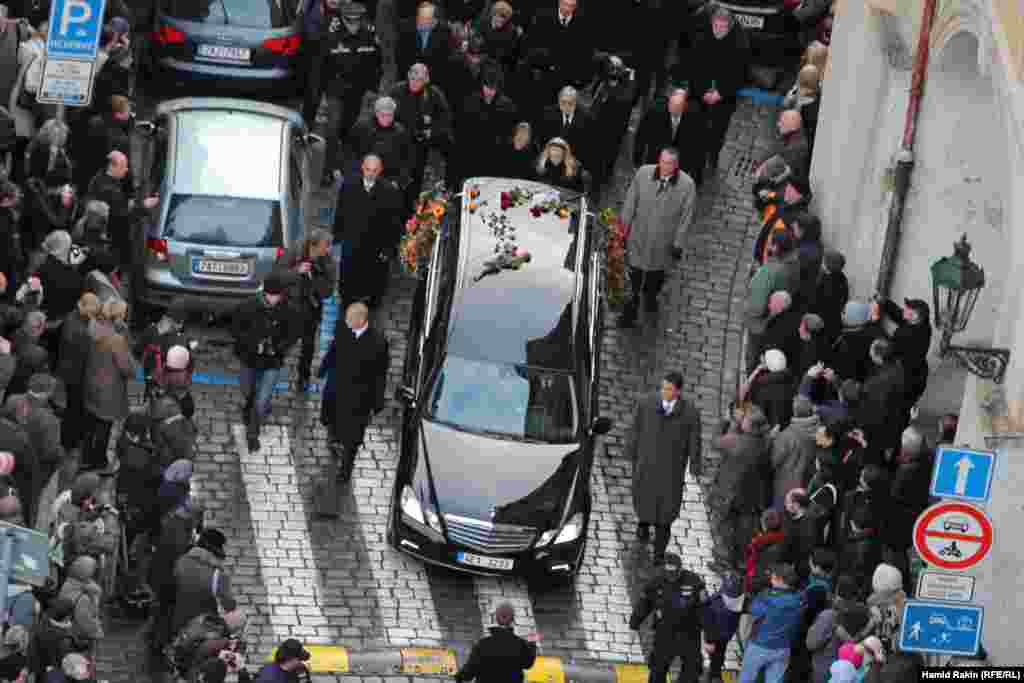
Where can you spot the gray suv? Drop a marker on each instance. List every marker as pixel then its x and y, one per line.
pixel 231 175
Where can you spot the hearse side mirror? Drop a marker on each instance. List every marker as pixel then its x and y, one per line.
pixel 601 426
pixel 147 127
pixel 314 139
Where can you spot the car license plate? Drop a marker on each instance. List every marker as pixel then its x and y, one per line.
pixel 230 54
pixel 750 21
pixel 213 267
pixel 485 562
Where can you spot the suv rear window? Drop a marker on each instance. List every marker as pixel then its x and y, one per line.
pixel 224 221
pixel 247 13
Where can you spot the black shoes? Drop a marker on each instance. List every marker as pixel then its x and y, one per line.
pixel 643 533
pixel 253 443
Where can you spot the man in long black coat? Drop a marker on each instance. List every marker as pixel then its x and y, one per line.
pixel 677 122
pixel 665 437
pixel 361 372
pixel 368 220
pixel 612 107
pixel 569 38
pixel 716 68
pixel 485 120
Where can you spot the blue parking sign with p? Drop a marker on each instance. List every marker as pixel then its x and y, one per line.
pixel 75 28
pixel 963 474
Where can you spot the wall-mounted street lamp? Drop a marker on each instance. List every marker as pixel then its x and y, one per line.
pixel 956 283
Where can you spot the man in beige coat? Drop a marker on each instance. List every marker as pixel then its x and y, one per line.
pixel 658 210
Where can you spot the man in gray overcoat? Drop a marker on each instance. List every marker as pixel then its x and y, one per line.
pixel 657 211
pixel 666 435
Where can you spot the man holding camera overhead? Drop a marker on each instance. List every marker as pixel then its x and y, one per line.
pixel 264 328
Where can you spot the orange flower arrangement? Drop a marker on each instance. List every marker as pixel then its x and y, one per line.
pixel 615 256
pixel 422 228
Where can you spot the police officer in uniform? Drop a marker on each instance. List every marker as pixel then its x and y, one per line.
pixel 676 598
pixel 347 67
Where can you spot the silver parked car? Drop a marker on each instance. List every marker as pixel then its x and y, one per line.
pixel 249 45
pixel 231 175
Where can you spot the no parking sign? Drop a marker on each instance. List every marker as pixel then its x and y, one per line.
pixel 953 535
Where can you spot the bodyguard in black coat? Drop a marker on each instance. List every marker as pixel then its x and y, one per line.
pixel 569 37
pixel 369 220
pixel 656 133
pixel 500 657
pixel 361 363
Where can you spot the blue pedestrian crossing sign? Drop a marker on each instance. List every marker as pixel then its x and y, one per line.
pixel 941 628
pixel 963 474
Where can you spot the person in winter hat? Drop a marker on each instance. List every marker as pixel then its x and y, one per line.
pixel 886 602
pixel 81 589
pixel 175 487
pixel 720 619
pixel 202 584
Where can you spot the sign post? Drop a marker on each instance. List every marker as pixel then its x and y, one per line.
pixel 72 44
pixel 963 474
pixel 941 628
pixel 24 558
pixel 953 536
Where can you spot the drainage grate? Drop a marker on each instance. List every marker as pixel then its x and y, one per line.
pixel 743 165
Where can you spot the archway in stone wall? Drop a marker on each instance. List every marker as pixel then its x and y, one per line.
pixel 960 185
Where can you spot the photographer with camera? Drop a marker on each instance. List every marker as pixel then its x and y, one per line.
pixel 313 279
pixel 264 328
pixel 424 111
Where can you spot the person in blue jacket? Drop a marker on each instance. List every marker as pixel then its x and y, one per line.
pixel 721 618
pixel 777 613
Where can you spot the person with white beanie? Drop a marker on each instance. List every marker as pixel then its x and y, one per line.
pixel 886 603
pixel 770 387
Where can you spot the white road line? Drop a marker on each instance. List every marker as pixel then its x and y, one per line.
pixel 281 539
pixel 406 605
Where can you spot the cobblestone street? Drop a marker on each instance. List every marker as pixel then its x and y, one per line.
pixel 337 581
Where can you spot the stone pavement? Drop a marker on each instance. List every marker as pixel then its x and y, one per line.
pixel 337 581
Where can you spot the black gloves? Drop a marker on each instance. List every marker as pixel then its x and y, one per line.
pixel 677 253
